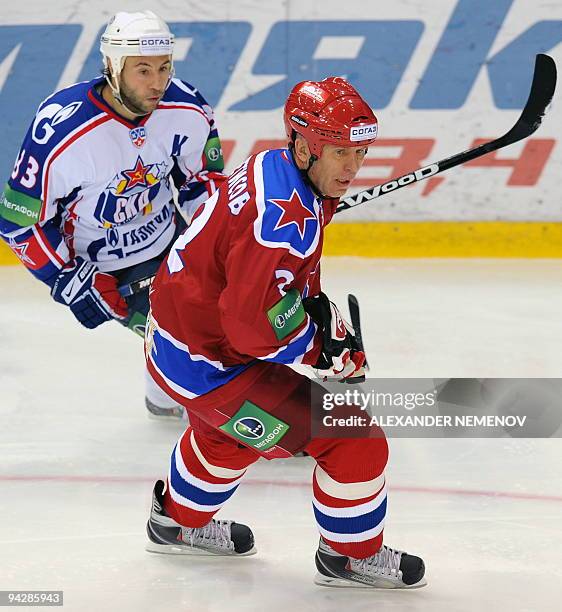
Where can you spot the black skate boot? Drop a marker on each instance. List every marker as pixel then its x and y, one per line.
pixel 388 569
pixel 225 538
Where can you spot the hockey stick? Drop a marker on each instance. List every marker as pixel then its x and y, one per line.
pixel 542 90
pixel 136 286
pixel 355 316
pixel 540 96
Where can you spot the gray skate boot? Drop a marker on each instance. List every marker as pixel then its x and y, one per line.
pixel 225 538
pixel 388 569
pixel 176 412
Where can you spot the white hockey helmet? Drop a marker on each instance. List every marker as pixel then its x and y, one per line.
pixel 134 34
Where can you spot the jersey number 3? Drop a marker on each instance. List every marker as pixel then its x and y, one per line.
pixel 29 177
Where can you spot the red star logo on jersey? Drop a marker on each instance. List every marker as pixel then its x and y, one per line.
pixel 136 176
pixel 294 211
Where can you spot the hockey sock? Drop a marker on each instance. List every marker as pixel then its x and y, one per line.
pixel 204 474
pixel 350 493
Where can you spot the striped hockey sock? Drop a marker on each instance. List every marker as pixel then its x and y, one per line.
pixel 351 515
pixel 203 475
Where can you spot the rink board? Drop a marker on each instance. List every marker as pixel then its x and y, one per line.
pixel 429 239
pixel 442 77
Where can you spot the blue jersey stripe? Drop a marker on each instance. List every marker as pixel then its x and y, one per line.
pixel 194 375
pixel 296 349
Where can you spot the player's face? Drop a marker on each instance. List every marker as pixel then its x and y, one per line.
pixel 143 81
pixel 336 168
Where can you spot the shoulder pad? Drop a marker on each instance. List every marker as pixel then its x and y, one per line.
pixel 60 114
pixel 182 91
pixel 287 211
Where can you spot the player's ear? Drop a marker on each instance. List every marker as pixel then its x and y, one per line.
pixel 302 150
pixel 109 70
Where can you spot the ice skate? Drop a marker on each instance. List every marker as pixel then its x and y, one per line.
pixel 159 405
pixel 387 569
pixel 174 412
pixel 224 538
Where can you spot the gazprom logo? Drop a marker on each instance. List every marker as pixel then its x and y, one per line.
pixel 363 132
pixel 249 427
pixel 50 116
pixel 112 236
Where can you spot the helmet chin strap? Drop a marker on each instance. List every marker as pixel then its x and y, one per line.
pixel 305 172
pixel 110 75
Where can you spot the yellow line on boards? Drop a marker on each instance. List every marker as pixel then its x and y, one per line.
pixel 445 239
pixel 429 239
pixel 7 257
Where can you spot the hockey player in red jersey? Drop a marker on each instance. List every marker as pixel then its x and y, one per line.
pixel 237 301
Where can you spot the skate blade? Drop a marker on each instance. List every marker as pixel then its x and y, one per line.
pixel 172 414
pixel 173 549
pixel 330 581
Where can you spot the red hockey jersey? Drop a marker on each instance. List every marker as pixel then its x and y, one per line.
pixel 231 290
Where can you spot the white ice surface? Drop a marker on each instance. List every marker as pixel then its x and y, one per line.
pixel 79 456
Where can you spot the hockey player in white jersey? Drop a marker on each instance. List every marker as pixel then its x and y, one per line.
pixel 89 206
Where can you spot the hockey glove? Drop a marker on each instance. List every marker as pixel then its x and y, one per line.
pixel 91 295
pixel 340 357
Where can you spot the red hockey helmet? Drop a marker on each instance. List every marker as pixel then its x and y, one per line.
pixel 329 112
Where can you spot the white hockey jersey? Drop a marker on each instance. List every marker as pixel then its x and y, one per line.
pixel 89 182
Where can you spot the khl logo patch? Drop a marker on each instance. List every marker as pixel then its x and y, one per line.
pixel 138 136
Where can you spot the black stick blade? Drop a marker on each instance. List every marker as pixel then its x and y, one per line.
pixel 355 316
pixel 540 96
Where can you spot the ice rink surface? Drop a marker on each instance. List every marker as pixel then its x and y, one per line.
pixel 79 456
